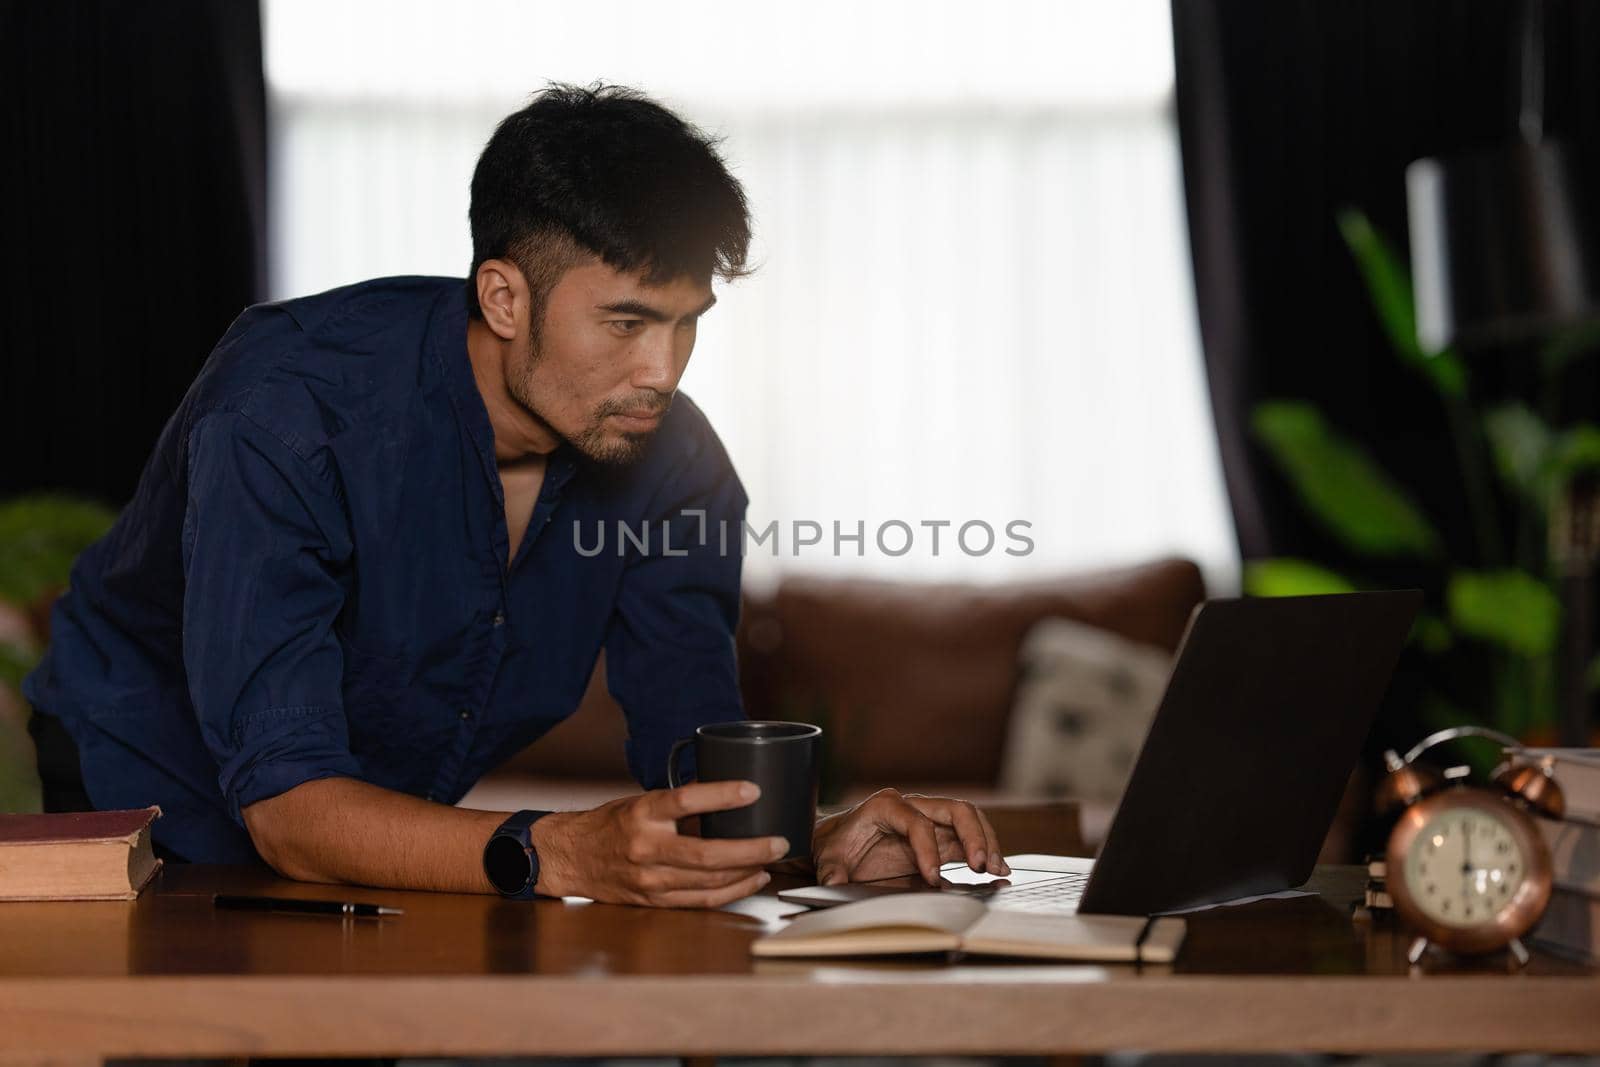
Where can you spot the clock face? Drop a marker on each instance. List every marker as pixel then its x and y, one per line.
pixel 1464 867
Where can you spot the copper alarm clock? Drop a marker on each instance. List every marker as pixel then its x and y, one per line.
pixel 1466 865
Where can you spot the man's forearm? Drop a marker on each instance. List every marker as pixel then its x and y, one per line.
pixel 628 850
pixel 344 830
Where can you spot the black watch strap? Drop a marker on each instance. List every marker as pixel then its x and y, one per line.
pixel 509 859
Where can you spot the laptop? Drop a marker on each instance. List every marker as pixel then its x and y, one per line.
pixel 1241 772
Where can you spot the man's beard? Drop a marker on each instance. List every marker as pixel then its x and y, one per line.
pixel 592 442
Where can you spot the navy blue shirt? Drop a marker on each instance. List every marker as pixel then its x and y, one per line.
pixel 311 580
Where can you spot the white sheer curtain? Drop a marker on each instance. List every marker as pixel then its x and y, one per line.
pixel 973 303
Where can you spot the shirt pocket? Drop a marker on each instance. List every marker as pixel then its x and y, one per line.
pixel 375 684
pixel 397 723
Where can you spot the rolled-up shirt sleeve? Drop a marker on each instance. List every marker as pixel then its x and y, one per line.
pixel 264 544
pixel 671 661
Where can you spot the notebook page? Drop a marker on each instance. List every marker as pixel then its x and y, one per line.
pixel 939 911
pixel 1079 937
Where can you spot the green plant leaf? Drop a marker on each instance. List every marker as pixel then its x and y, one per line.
pixel 15 662
pixel 1569 346
pixel 1523 447
pixel 1438 712
pixel 1432 634
pixel 1509 608
pixel 40 536
pixel 1388 282
pixel 19 781
pixel 1341 485
pixel 1292 577
pixel 1535 461
pixel 1575 451
pixel 1389 287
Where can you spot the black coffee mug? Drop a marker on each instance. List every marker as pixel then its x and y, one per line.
pixel 780 757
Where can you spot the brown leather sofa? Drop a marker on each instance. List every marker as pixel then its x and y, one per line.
pixel 912 683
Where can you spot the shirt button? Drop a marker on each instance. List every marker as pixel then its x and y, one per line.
pixel 464 714
pixel 499 618
pixel 433 797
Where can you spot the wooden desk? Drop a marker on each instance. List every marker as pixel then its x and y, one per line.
pixel 461 975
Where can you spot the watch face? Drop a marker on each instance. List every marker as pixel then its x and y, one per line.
pixel 507 863
pixel 1464 867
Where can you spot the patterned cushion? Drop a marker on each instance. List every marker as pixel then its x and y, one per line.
pixel 1083 705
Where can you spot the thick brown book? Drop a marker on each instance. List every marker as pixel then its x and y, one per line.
pixel 90 855
pixel 1577 771
pixel 1574 854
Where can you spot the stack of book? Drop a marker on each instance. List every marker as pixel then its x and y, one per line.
pixel 1377 899
pixel 1571 924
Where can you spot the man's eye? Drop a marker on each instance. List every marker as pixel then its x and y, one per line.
pixel 627 325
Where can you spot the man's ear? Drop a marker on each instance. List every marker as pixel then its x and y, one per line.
pixel 504 298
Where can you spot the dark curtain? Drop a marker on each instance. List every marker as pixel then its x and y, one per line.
pixel 132 224
pixel 1290 110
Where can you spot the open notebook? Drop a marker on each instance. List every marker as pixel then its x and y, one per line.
pixel 938 922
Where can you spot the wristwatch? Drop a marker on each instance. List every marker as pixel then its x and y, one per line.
pixel 509 859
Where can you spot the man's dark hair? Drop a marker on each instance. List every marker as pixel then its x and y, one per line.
pixel 604 170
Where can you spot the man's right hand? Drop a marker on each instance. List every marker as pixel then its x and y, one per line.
pixel 629 851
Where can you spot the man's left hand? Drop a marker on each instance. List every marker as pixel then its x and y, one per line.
pixel 891 834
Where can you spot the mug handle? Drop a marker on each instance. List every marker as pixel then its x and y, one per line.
pixel 673 781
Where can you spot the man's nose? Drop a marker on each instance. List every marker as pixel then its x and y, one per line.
pixel 657 364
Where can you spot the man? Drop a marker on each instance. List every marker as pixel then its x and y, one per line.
pixel 350 581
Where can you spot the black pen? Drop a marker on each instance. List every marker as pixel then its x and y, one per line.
pixel 293 906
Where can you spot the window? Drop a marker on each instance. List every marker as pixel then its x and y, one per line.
pixel 974 300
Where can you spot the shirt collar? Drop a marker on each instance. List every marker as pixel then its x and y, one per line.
pixel 447 340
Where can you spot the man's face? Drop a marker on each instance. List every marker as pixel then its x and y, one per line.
pixel 602 368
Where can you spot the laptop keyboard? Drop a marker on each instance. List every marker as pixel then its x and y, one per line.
pixel 1058 896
